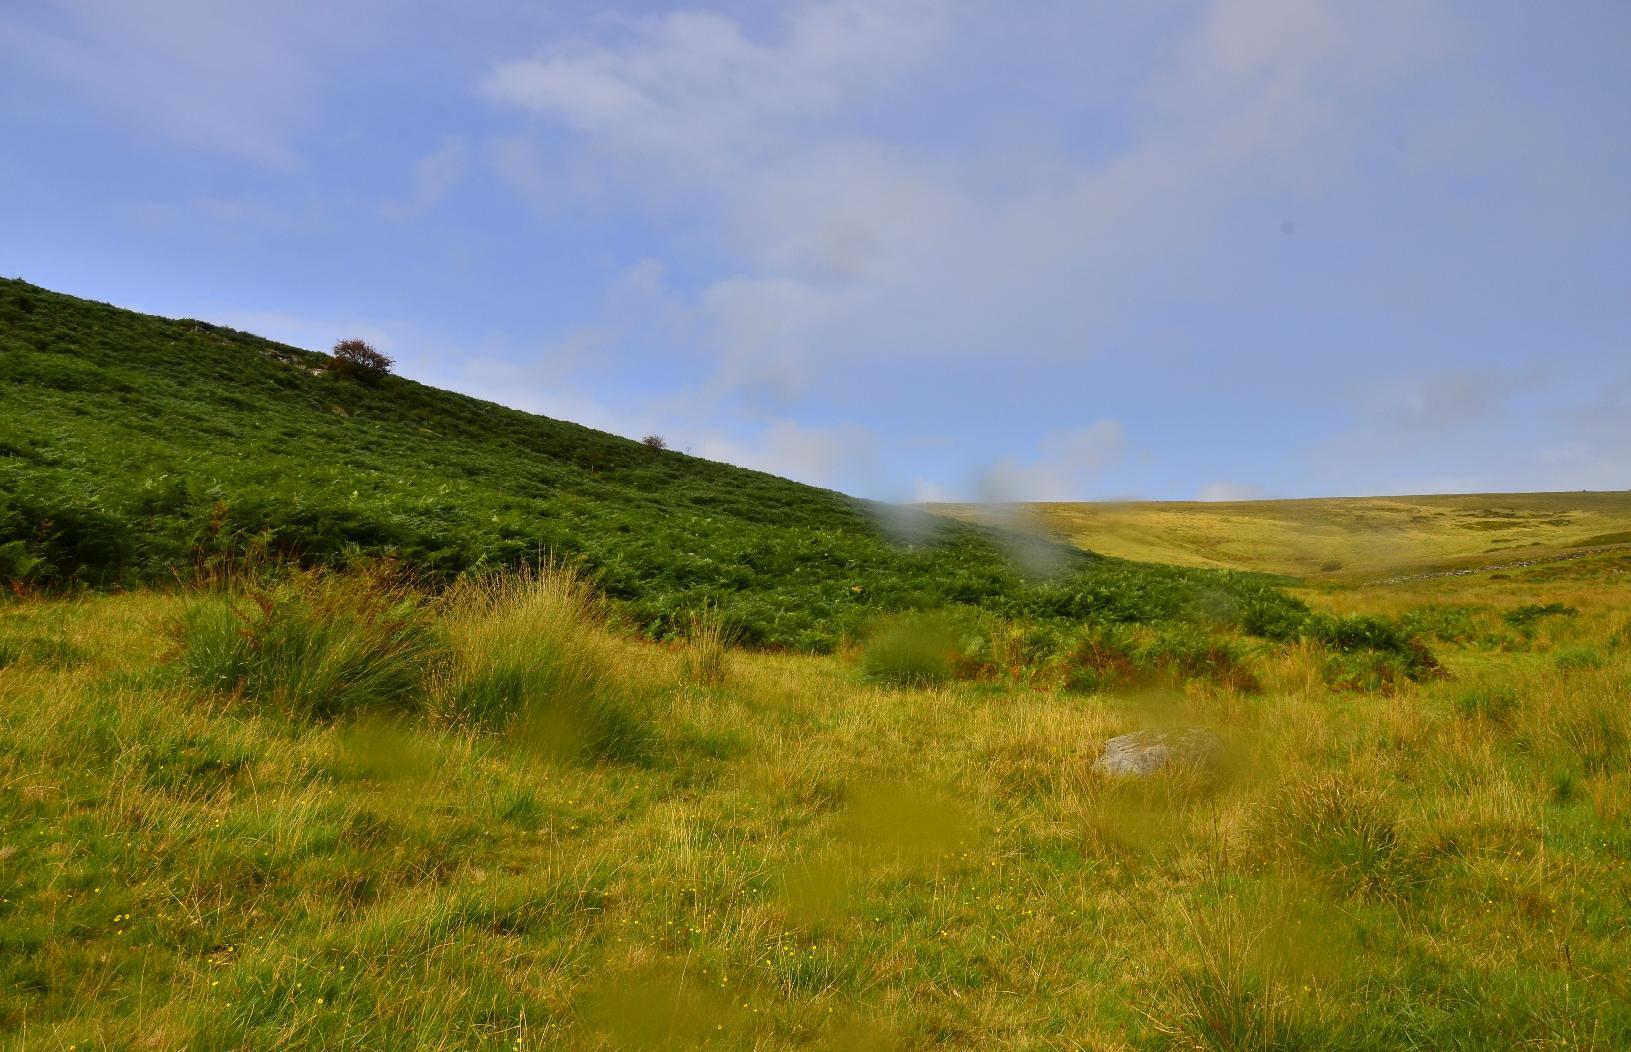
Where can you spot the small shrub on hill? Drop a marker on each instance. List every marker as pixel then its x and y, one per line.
pixel 1104 656
pixel 1451 624
pixel 655 443
pixel 1525 617
pixel 1099 657
pixel 358 359
pixel 1269 618
pixel 1370 653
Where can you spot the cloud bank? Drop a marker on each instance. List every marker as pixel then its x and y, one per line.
pixel 934 248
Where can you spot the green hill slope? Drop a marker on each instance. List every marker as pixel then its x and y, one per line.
pixel 131 445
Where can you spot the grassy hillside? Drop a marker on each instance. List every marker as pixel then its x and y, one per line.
pixel 1347 540
pixel 340 816
pixel 132 445
pixel 276 807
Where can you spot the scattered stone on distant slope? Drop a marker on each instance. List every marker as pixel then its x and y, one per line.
pixel 1467 571
pixel 1143 753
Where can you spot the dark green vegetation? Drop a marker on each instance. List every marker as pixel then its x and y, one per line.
pixel 131 446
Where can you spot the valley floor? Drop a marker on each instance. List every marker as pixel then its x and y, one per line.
pixel 801 859
pixel 1351 540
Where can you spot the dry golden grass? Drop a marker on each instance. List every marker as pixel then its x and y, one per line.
pixel 1348 540
pixel 799 858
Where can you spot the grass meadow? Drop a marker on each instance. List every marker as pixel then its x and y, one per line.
pixel 1347 540
pixel 331 811
pixel 767 767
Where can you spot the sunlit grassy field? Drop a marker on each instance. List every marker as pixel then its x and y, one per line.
pixel 1354 539
pixel 337 814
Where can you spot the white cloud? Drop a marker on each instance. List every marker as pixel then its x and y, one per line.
pixel 432 177
pixel 1442 402
pixel 519 165
pixel 847 254
pixel 1595 452
pixel 523 387
pixel 844 247
pixel 1402 422
pixel 841 239
pixel 852 213
pixel 764 330
pixel 925 491
pixel 693 86
pixel 576 91
pixel 225 75
pixel 1259 76
pixel 820 456
pixel 1064 468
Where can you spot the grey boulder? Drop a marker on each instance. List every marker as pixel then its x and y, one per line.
pixel 1143 753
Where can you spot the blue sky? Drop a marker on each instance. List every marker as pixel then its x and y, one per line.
pixel 912 249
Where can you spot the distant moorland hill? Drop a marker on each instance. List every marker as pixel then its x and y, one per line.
pixel 1351 539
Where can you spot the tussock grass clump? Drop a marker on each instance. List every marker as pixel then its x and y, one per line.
pixel 915 650
pixel 314 644
pixel 1496 702
pixel 531 656
pixel 1578 657
pixel 707 648
pixel 1347 833
pixel 1229 997
pixel 1592 731
pixel 44 651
